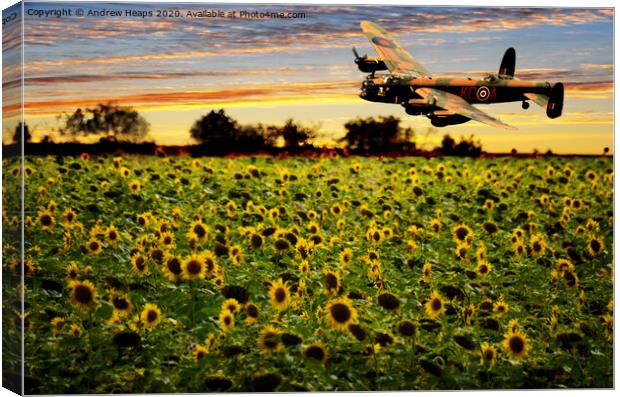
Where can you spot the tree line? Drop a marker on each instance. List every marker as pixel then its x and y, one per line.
pixel 216 133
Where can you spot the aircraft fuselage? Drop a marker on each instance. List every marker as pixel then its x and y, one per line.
pixel 401 90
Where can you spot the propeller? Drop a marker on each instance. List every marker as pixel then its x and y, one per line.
pixel 358 58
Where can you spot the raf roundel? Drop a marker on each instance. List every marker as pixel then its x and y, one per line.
pixel 383 42
pixel 482 94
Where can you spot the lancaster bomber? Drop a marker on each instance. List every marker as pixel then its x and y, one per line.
pixel 446 100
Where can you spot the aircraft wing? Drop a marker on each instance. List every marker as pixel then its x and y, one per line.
pixel 397 60
pixel 458 105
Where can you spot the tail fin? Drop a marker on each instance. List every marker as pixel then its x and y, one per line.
pixel 556 101
pixel 507 67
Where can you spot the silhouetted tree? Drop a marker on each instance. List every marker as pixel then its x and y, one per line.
pixel 17 136
pixel 294 135
pixel 252 137
pixel 216 129
pixel 113 122
pixel 447 145
pixel 466 147
pixel 375 135
pixel 219 133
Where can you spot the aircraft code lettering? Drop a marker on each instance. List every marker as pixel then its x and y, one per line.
pixel 481 94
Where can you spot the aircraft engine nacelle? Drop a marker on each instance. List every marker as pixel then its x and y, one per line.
pixel 370 65
pixel 442 121
pixel 556 101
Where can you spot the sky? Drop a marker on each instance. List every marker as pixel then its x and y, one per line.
pixel 174 70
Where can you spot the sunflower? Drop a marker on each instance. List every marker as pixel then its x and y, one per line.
pixel 374 235
pixel 469 313
pixel 167 239
pixel 336 210
pixel 112 235
pixel 144 219
pixel 519 248
pixel 608 325
pixel 388 301
pixel 595 246
pixel 340 223
pixel 461 250
pixel 227 320
pixel 518 234
pixel 491 228
pixel 251 312
pixel 572 280
pixel 200 352
pixel 564 265
pixel 427 271
pixel 172 267
pixel 139 265
pixel 538 245
pixel 406 328
pixel 341 313
pixel 484 268
pixel 513 325
pixel 332 281
pixel 373 255
pixel 256 240
pixel 488 354
pixel 462 233
pixel 500 307
pixel 150 316
pixel 46 219
pixel 122 304
pixel 316 351
pixel 75 330
pixel 345 256
pixel 232 305
pixel 134 186
pixel 199 230
pixel 304 266
pixel 57 324
pixel 93 246
pixel 211 265
pixel 72 271
pixel 83 294
pixel 279 295
pixel 282 244
pixel 269 340
pixel 194 268
pixel 435 306
pixel 516 345
pixel 69 216
pixel 236 254
pixel 313 228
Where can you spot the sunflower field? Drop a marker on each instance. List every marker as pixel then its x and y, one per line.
pixel 174 274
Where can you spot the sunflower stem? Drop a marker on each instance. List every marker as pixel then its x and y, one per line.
pixel 374 358
pixel 193 293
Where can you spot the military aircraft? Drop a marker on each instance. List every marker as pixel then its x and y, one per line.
pixel 446 100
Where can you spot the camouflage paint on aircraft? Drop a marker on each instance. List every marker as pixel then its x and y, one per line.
pixel 446 100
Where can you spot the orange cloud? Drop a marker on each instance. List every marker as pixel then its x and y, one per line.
pixel 186 99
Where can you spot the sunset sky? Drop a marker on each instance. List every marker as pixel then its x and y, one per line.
pixel 174 70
